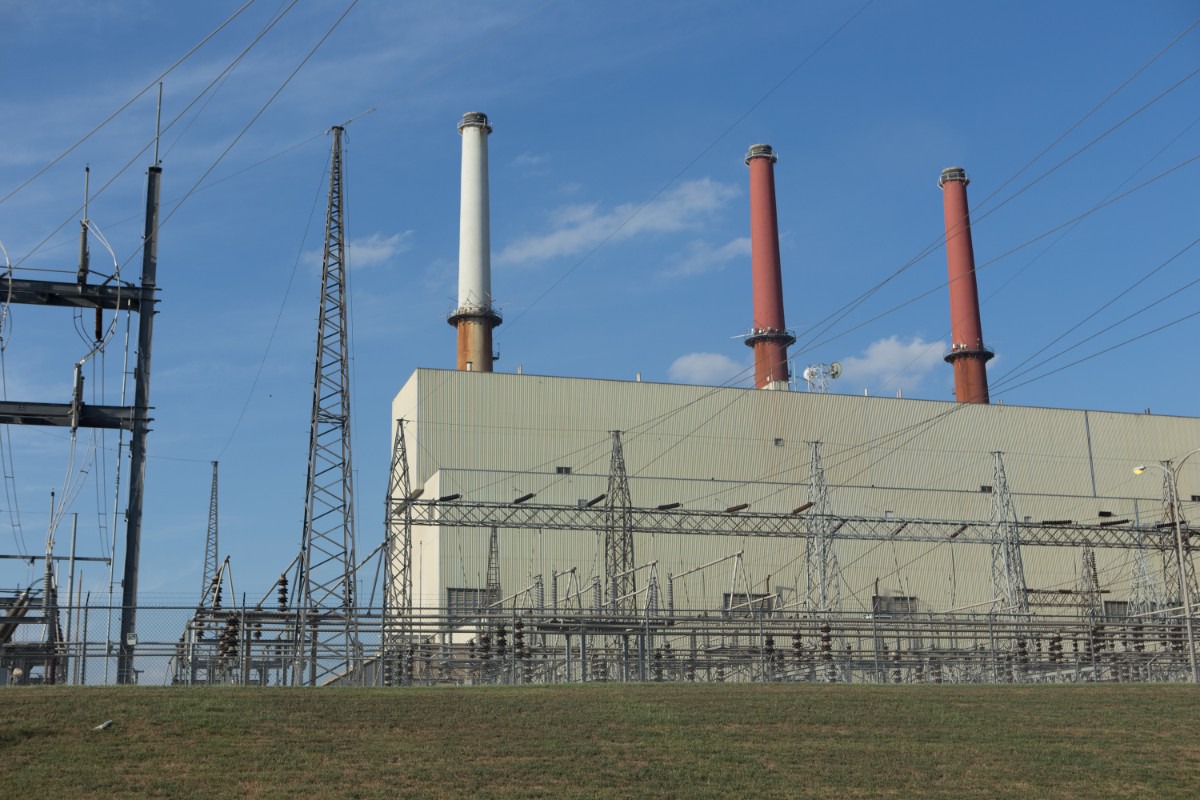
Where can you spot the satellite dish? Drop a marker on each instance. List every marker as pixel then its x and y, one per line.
pixel 835 369
pixel 807 374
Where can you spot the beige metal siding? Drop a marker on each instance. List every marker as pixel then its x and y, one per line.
pixel 494 436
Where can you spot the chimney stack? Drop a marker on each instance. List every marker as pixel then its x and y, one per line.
pixel 769 337
pixel 474 317
pixel 967 352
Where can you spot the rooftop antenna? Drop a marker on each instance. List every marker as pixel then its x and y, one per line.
pixel 818 376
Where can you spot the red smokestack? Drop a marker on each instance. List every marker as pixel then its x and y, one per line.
pixel 967 353
pixel 769 337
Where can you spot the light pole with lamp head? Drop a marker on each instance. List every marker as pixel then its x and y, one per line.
pixel 1172 473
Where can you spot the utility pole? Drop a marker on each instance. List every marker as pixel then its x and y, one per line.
pixel 327 635
pixel 141 426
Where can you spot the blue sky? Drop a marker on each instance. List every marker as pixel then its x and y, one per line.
pixel 619 217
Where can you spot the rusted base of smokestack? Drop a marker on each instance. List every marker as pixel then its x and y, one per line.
pixel 970 374
pixel 770 357
pixel 474 327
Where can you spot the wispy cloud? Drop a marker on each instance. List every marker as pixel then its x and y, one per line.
pixel 577 228
pixel 531 160
pixel 707 369
pixel 370 251
pixel 378 249
pixel 893 363
pixel 701 257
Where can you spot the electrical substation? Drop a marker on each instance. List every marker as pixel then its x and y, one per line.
pixel 544 529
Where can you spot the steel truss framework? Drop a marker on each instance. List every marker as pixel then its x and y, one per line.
pixel 211 542
pixel 619 567
pixel 747 523
pixel 824 580
pixel 326 622
pixel 397 588
pixel 1067 638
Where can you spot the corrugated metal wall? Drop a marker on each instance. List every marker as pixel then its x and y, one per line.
pixel 495 436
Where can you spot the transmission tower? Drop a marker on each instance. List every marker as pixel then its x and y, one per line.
pixel 327 633
pixel 1008 574
pixel 493 594
pixel 209 578
pixel 823 579
pixel 1145 594
pixel 1170 556
pixel 1089 586
pixel 618 535
pixel 397 587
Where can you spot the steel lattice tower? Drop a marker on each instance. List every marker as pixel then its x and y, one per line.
pixel 618 535
pixel 1089 586
pixel 823 578
pixel 1170 557
pixel 1008 573
pixel 397 587
pixel 327 633
pixel 493 594
pixel 1144 594
pixel 210 544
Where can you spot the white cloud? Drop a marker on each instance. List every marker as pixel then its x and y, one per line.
pixel 378 249
pixel 528 159
pixel 369 251
pixel 707 369
pixel 701 257
pixel 581 227
pixel 892 364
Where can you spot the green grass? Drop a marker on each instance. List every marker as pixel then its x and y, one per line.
pixel 681 741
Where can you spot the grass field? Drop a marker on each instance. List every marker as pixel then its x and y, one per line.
pixel 681 741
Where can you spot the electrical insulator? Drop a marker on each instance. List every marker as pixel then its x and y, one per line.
pixel 283 594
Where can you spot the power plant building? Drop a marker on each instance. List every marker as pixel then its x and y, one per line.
pixel 926 465
pixel 700 523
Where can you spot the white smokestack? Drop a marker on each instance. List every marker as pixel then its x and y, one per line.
pixel 474 318
pixel 474 236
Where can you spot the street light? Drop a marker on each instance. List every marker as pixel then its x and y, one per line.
pixel 1172 473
